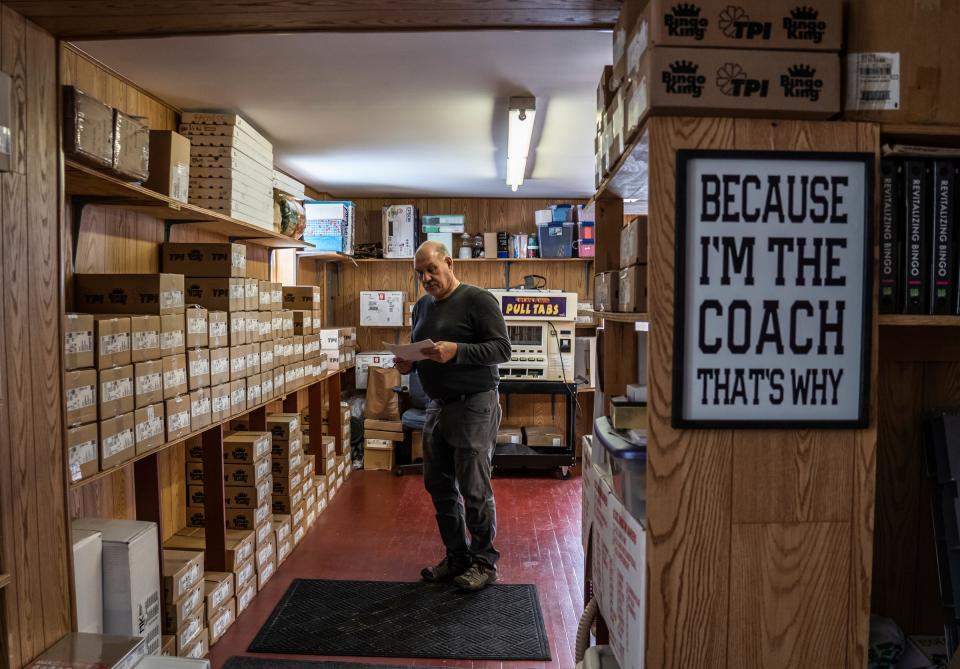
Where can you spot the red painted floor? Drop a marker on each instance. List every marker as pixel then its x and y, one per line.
pixel 381 527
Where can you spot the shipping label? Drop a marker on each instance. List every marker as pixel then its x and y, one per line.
pixel 117 389
pixel 171 299
pixel 200 407
pixel 172 339
pixel 143 341
pixel 178 421
pixel 238 364
pixel 261 514
pixel 118 443
pixel 276 323
pixel 238 398
pixel 243 601
pixel 253 360
pixel 81 398
pixel 221 624
pixel 239 260
pixel 276 297
pixel 236 290
pixel 266 388
pixel 266 357
pixel 265 328
pixel 221 404
pixel 78 342
pixel 149 383
pixel 199 367
pixel 218 329
pixel 220 594
pixel 873 81
pixel 220 366
pixel 175 378
pixel 253 324
pixel 253 394
pixel 197 325
pixel 148 429
pixel 80 455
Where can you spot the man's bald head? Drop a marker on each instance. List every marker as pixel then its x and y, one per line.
pixel 430 249
pixel 434 267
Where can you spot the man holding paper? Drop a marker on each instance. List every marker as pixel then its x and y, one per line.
pixel 462 338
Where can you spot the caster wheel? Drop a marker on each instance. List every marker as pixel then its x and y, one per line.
pixel 564 473
pixel 397 472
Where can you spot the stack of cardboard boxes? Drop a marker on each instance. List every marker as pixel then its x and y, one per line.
pixel 140 388
pixel 185 615
pixel 756 58
pixel 380 439
pixel 288 460
pixel 305 304
pixel 340 346
pixel 231 167
pixel 625 290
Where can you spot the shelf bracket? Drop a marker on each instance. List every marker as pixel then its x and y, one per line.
pixel 506 276
pixel 588 275
pixel 167 227
pixel 77 204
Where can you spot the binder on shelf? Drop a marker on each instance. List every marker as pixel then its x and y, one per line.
pixel 917 233
pixel 890 208
pixel 943 279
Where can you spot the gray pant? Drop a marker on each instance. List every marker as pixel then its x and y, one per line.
pixel 458 441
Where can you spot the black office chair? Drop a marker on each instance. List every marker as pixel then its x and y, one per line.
pixel 413 416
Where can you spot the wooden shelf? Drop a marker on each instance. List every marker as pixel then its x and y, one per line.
pixel 337 257
pixel 918 320
pixel 146 454
pixel 5 580
pixel 96 187
pixel 622 317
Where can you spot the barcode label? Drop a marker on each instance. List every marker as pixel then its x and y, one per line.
pixel 220 366
pixel 171 299
pixel 171 340
pixel 78 342
pixel 80 398
pixel 150 428
pixel 179 421
pixel 873 81
pixel 218 329
pixel 146 340
pixel 150 383
pixel 196 325
pixel 118 443
pixel 221 404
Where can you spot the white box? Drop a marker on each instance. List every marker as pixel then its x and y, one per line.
pixel 131 578
pixel 88 580
pixel 399 231
pixel 371 359
pixel 381 308
pixel 445 238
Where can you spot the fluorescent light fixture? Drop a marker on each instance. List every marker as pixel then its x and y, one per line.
pixel 519 133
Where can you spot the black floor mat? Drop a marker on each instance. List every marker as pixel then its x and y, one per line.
pixel 382 619
pixel 247 662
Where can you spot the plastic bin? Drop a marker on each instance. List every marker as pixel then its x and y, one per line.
pixel 628 467
pixel 556 239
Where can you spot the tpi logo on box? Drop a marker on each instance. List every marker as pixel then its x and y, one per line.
pixel 736 24
pixel 685 21
pixel 802 24
pixel 801 82
pixel 195 255
pixel 734 81
pixel 683 79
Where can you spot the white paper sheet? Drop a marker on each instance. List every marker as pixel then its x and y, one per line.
pixel 410 352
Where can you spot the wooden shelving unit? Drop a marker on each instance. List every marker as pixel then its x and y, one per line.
pixel 337 257
pixel 910 320
pixel 88 186
pixel 619 317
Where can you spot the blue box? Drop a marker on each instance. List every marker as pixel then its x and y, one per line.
pixel 556 239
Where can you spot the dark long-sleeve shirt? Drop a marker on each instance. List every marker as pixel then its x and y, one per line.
pixel 471 318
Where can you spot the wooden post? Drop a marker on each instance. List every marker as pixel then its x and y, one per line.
pixel 333 411
pixel 291 403
pixel 258 419
pixel 317 409
pixel 214 499
pixel 147 491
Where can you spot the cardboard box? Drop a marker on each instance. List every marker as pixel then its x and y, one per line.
pixel 311 347
pixel 298 348
pixel 633 242
pixel 197 327
pixel 239 545
pixel 266 386
pixel 199 648
pixel 88 580
pixel 178 417
pixel 246 447
pixel 266 573
pixel 509 435
pixel 633 289
pixel 279 382
pixel 238 327
pixel 287 504
pixel 248 496
pixel 244 597
pixel 198 368
pixel 264 521
pixel 168 646
pixel 147 383
pixel 726 82
pixel 241 519
pixel 364 361
pixel 284 426
pixel 541 435
pixel 173 336
pixel 174 376
pixel 254 390
pixel 205 260
pixel 266 356
pixel 302 297
pixel 95 650
pixel 238 362
pixel 285 449
pixel 287 323
pixel 377 454
pixel 251 294
pixel 182 572
pixel 222 621
pixel 302 322
pixel 283 466
pixel 383 435
pixel 217 294
pixel 194 473
pixel 284 548
pixel 276 325
pixel 130 293
pixel 83 452
pixel 200 408
pixel 77 341
pixel 247 474
pixel 265 324
pixel 169 172
pixel 901 63
pixel 112 340
pixel 267 552
pixel 219 366
pixel 383 308
pixel 148 427
pixel 218 590
pixel 87 129
pixel 188 634
pixel 253 326
pixel 253 359
pixel 115 391
pixel 218 332
pixel 131 147
pixel 131 577
pixel 80 396
pixel 399 231
pixel 284 486
pixel 177 613
pixel 117 441
pixel 238 396
pixel 751 24
pixel 219 403
pixel 144 337
pixel 606 291
pixel 264 295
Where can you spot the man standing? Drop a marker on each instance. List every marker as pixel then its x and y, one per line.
pixel 460 377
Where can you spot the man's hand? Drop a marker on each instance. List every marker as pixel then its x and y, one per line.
pixel 402 366
pixel 442 351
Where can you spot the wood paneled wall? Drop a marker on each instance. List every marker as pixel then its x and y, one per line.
pixel 759 549
pixel 36 606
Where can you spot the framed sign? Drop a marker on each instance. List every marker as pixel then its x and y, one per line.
pixel 772 318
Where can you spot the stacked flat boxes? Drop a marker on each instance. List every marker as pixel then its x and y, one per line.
pixel 288 464
pixel 185 614
pixel 231 167
pixel 304 304
pixel 340 346
pixel 135 383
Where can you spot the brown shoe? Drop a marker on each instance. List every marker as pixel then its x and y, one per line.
pixel 477 577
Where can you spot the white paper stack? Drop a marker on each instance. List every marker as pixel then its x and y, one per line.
pixel 231 167
pixel 287 184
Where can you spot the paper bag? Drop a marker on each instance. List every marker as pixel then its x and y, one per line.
pixel 382 402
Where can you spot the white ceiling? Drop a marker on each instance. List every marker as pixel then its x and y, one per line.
pixel 392 113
